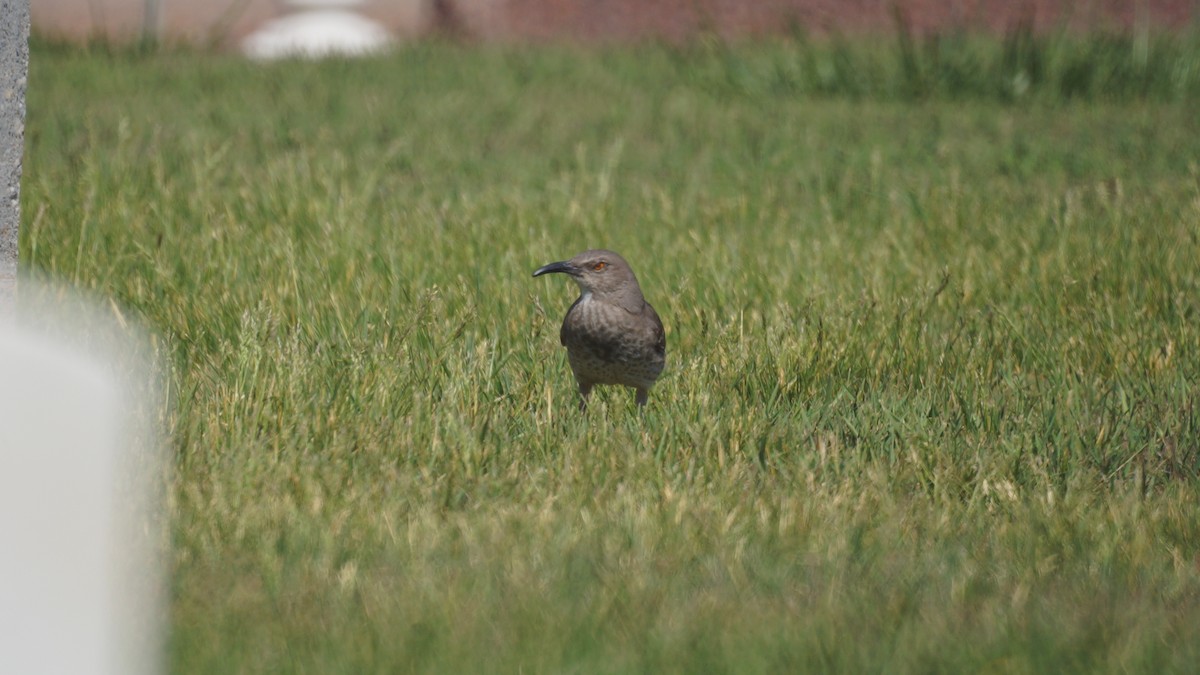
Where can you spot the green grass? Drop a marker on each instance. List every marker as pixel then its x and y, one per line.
pixel 931 403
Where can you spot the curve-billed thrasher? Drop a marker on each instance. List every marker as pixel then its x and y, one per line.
pixel 612 335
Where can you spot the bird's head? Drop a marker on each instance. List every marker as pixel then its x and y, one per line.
pixel 603 274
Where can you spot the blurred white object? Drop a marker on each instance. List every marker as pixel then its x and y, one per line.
pixel 81 481
pixel 320 28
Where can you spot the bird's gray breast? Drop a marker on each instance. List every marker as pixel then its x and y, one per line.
pixel 607 344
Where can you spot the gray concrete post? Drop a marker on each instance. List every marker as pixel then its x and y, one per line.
pixel 152 21
pixel 14 70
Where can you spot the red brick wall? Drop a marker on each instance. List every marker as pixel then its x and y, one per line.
pixel 679 19
pixel 609 20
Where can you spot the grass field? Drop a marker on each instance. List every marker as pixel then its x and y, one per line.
pixel 934 350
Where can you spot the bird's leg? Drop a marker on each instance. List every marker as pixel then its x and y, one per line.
pixel 585 390
pixel 643 395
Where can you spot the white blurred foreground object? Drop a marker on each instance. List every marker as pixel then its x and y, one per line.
pixel 317 29
pixel 81 485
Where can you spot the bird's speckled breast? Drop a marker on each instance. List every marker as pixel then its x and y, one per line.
pixel 607 344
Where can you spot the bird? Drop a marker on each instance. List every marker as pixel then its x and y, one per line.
pixel 612 335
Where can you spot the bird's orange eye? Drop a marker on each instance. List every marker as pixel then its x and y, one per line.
pixel 599 266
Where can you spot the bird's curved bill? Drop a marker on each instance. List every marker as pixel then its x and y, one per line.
pixel 564 267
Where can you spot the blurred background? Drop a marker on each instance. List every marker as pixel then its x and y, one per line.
pixel 225 23
pixel 928 271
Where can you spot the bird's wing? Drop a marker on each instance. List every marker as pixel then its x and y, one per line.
pixel 660 335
